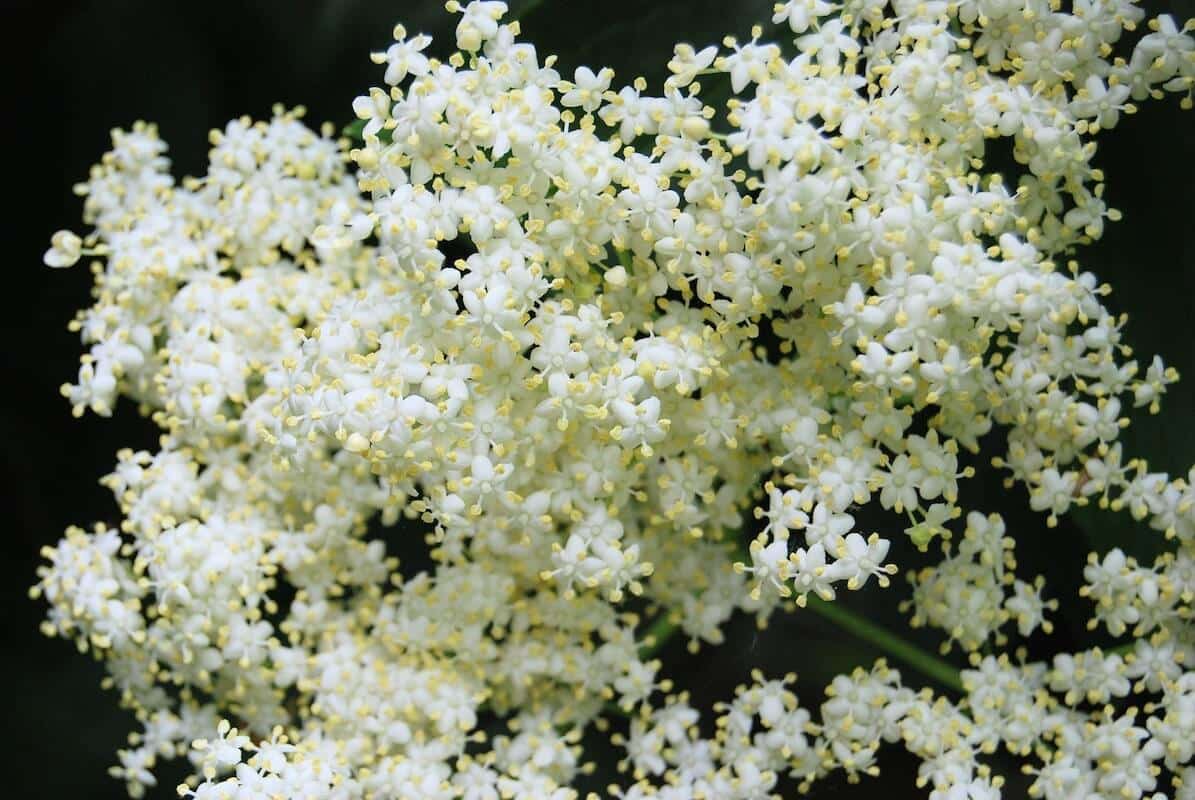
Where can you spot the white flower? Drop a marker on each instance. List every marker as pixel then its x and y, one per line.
pixel 404 57
pixel 770 565
pixel 65 249
pixel 587 89
pixel 829 43
pixel 859 559
pixel 687 63
pixel 810 573
pixel 800 14
pixel 479 22
pixel 1099 102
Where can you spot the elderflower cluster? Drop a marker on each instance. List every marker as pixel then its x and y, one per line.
pixel 632 361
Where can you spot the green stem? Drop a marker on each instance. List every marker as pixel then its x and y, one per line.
pixel 1121 650
pixel 657 635
pixel 901 650
pixel 662 629
pixel 889 643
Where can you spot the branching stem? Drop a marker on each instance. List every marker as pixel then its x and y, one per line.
pixel 928 664
pixel 931 666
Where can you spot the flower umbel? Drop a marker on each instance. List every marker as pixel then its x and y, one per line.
pixel 531 312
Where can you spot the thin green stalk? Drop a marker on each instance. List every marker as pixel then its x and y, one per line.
pixel 889 643
pixel 899 649
pixel 657 635
pixel 662 629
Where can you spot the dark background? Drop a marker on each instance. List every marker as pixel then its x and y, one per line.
pixel 73 70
